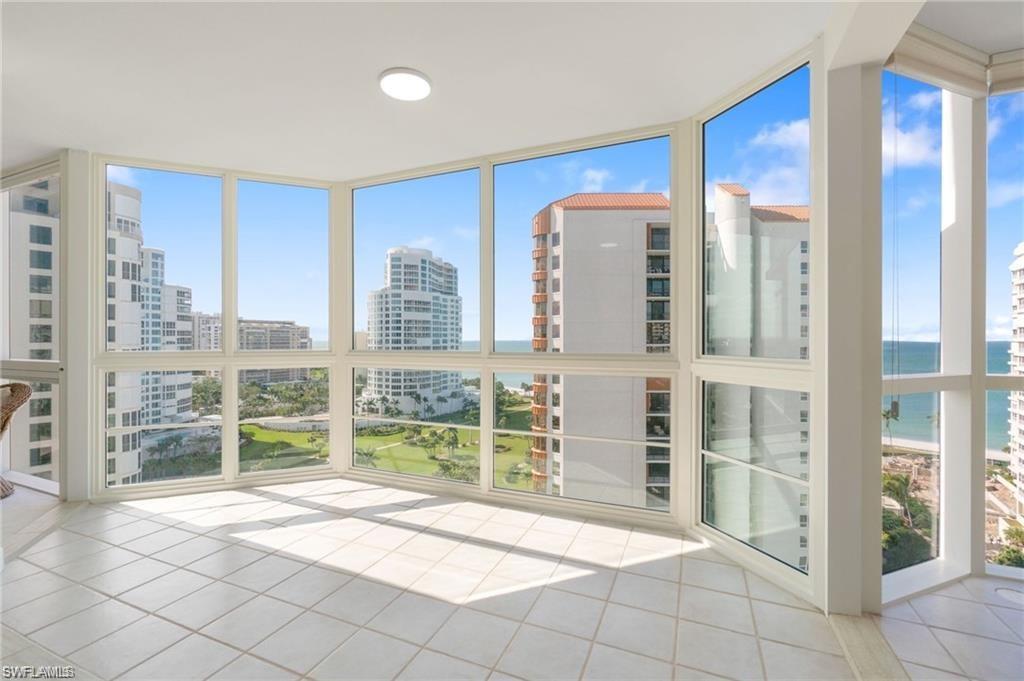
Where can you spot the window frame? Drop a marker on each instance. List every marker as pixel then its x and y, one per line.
pixel 799 375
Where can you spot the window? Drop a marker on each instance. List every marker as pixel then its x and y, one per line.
pixel 756 196
pixel 911 480
pixel 911 225
pixel 40 309
pixel 39 431
pixel 40 234
pixel 40 456
pixel 40 260
pixel 284 417
pixel 41 406
pixel 418 422
pixel 174 429
pixel 754 473
pixel 164 228
pixel 40 333
pixel 282 268
pixel 598 203
pixel 606 432
pixel 416 264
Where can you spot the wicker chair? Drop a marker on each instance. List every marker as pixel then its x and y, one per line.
pixel 14 395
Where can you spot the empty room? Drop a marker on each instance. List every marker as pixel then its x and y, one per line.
pixel 512 341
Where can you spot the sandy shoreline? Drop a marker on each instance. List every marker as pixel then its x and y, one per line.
pixel 933 448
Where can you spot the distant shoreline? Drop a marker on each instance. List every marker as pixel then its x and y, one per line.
pixel 924 447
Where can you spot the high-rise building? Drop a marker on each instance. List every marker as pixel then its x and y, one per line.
pixel 255 334
pixel 601 285
pixel 757 263
pixel 144 313
pixel 32 225
pixel 1017 368
pixel 419 308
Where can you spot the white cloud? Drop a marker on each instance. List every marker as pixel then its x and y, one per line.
pixel 786 135
pixel 908 147
pixel 922 101
pixel 1004 193
pixel 995 126
pixel 121 175
pixel 467 233
pixel 779 185
pixel 639 187
pixel 423 242
pixel 999 331
pixel 594 179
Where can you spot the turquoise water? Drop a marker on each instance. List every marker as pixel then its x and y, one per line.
pixel 918 411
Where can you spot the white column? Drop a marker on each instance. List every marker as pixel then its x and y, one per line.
pixel 852 369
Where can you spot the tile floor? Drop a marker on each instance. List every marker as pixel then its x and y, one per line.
pixel 27 514
pixel 973 628
pixel 338 579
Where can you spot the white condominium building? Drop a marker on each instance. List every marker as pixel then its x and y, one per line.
pixel 419 308
pixel 601 285
pixel 756 285
pixel 1017 367
pixel 143 314
pixel 31 220
pixel 255 334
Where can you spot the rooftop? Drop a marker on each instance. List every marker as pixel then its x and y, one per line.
pixel 613 201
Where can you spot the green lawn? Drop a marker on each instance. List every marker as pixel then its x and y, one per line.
pixel 277 449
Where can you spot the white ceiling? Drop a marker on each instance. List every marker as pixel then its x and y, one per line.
pixel 991 27
pixel 292 88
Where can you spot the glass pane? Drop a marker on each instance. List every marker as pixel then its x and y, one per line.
pixel 581 244
pixel 764 427
pixel 30 233
pixel 163 258
pixel 418 395
pixel 284 419
pixel 32 442
pixel 620 473
pixel 1005 288
pixel 282 267
pixel 417 264
pixel 911 481
pixel 173 454
pixel 765 511
pixel 911 224
pixel 756 230
pixel 136 401
pixel 1004 479
pixel 160 398
pixel 439 451
pixel 616 407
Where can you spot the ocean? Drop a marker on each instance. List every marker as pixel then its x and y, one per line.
pixel 918 412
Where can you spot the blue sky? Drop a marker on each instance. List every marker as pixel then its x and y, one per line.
pixel 762 143
pixel 911 209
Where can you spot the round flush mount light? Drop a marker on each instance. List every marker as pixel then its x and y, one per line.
pixel 408 85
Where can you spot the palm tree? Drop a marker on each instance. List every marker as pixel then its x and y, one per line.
pixel 888 416
pixel 366 456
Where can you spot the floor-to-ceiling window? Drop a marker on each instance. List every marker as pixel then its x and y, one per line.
pixel 756 247
pixel 31 297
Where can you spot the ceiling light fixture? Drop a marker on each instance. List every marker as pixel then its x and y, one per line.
pixel 408 85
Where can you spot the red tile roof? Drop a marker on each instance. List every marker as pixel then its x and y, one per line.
pixel 734 189
pixel 781 213
pixel 613 201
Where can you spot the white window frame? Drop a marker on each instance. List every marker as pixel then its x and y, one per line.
pixel 40 370
pixel 799 375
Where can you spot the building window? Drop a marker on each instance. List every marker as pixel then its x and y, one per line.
pixel 753 234
pixel 598 196
pixel 39 431
pixel 301 396
pixel 426 295
pixel 40 309
pixel 40 283
pixel 40 260
pixel 39 234
pixel 40 456
pixel 41 406
pixel 40 333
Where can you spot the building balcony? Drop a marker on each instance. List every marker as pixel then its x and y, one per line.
pixel 539 320
pixel 540 344
pixel 539 275
pixel 540 298
pixel 538 409
pixel 540 252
